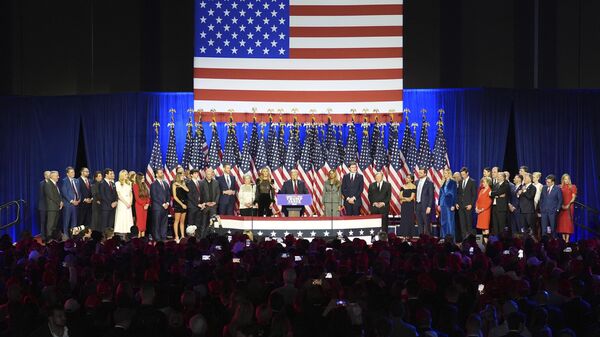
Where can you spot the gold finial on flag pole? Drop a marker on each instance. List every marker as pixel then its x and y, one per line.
pixel 156 126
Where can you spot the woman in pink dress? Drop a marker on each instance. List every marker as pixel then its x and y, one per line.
pixel 564 222
pixel 142 202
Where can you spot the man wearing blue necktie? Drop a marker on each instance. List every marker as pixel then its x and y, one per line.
pixel 228 188
pixel 69 192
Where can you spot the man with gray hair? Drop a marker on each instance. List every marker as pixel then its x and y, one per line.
pixel 293 186
pixel 53 204
pixel 42 205
pixel 380 192
pixel 210 194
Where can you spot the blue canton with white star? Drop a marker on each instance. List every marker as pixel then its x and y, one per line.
pixel 242 28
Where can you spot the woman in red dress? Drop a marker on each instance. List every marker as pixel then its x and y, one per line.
pixel 483 207
pixel 565 216
pixel 142 202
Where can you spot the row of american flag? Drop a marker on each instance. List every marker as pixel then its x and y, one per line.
pixel 322 149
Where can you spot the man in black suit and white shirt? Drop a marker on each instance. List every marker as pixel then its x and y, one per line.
pixel 500 194
pixel 465 202
pixel 53 205
pixel 424 199
pixel 210 193
pixel 380 193
pixel 194 211
pixel 293 186
pixel 352 187
pixel 526 196
pixel 160 193
pixel 42 205
pixel 108 200
pixel 84 211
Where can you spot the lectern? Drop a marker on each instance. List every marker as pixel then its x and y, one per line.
pixel 294 202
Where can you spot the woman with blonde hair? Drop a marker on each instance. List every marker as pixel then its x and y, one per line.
pixel 179 192
pixel 123 214
pixel 246 196
pixel 332 195
pixel 265 193
pixel 564 222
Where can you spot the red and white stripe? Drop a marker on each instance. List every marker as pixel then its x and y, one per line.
pixel 149 175
pixel 307 178
pixel 395 179
pixel 344 54
pixel 368 179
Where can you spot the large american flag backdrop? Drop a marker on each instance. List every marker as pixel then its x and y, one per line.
pixel 303 54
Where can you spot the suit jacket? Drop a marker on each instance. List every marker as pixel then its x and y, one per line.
pixel 513 196
pixel 216 191
pixel 468 194
pixel 193 194
pixel 353 189
pixel 52 195
pixel 501 201
pixel 384 195
pixel 84 191
pixel 41 196
pixel 107 195
pixel 448 193
pixel 551 203
pixel 223 187
pixel 159 194
pixel 426 193
pixel 288 187
pixel 526 199
pixel 67 191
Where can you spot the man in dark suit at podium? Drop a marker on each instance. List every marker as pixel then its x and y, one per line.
pixel 352 187
pixel 380 193
pixel 293 186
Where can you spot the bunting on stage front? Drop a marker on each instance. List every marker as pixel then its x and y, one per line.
pixel 304 54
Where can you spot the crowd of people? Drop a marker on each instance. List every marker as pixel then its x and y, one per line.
pixel 463 207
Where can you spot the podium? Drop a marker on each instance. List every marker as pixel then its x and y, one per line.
pixel 294 202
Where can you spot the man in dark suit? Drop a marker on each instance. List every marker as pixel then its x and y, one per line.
pixel 108 200
pixel 550 204
pixel 466 195
pixel 352 187
pixel 380 193
pixel 42 205
pixel 293 186
pixel 500 194
pixel 96 203
pixel 194 215
pixel 526 196
pixel 227 185
pixel 210 193
pixel 71 199
pixel 513 205
pixel 53 205
pixel 160 195
pixel 424 200
pixel 84 211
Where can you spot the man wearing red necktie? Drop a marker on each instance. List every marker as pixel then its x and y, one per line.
pixel 293 186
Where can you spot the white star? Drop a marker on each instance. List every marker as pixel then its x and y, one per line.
pixel 258 43
pixel 371 232
pixel 234 5
pixel 226 27
pixel 211 12
pixel 226 12
pixel 218 50
pixel 258 28
pixel 242 13
pixel 281 21
pixel 211 42
pixel 234 50
pixel 361 232
pixel 273 28
pixel 351 233
pixel 325 233
pixel 202 4
pixel 265 36
pixel 273 233
pixel 313 233
pixel 266 5
pixel 300 234
pixel 211 27
pixel 226 43
pixel 281 36
pixel 219 19
pixel 281 6
pixel 234 35
pixel 339 233
pixel 234 20
pixel 242 43
pixel 286 233
pixel 219 4
pixel 250 21
pixel 281 51
pixel 266 21
pixel 265 51
pixel 242 28
pixel 258 13
pixel 203 35
pixel 202 50
pixel 260 233
pixel 219 35
pixel 250 50
pixel 250 5
pixel 250 36
pixel 273 43
pixel 273 13
pixel 202 20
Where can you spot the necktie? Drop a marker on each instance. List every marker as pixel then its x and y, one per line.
pixel 87 183
pixel 227 180
pixel 549 189
pixel 110 184
pixel 352 177
pixel 74 189
pixel 379 186
pixel 464 183
pixel 295 187
pixel 197 186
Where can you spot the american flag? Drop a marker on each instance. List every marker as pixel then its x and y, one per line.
pixel 395 171
pixel 261 151
pixel 245 162
pixel 341 151
pixel 253 149
pixel 214 151
pixel 232 152
pixel 305 54
pixel 275 159
pixel 440 158
pixel 198 160
pixel 333 153
pixel 289 161
pixel 425 158
pixel 186 161
pixel 305 166
pixel 380 158
pixel 365 165
pixel 351 154
pixel 409 146
pixel 155 162
pixel 319 170
pixel 171 162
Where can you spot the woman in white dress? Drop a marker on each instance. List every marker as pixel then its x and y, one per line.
pixel 123 215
